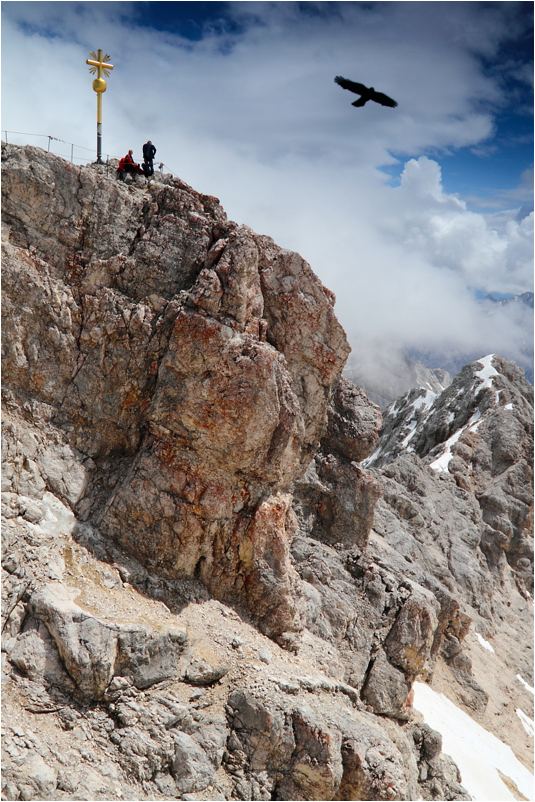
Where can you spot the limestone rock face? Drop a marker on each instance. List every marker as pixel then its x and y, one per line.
pixel 335 499
pixel 456 516
pixel 311 755
pixel 354 423
pixel 480 432
pixel 187 361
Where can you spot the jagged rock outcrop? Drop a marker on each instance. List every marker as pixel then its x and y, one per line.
pixel 185 363
pixel 181 479
pixel 456 516
pixel 335 499
pixel 480 432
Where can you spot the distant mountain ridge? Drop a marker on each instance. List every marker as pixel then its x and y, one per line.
pixel 525 298
pixel 385 374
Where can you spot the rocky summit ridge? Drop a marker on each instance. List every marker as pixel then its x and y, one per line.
pixel 222 570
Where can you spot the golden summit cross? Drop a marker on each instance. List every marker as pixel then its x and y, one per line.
pixel 99 64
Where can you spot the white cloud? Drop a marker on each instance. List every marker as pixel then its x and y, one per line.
pixel 439 226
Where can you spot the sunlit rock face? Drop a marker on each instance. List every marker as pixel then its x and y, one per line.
pixel 188 361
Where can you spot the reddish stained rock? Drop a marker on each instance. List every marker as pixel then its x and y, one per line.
pixel 191 359
pixel 271 582
pixel 228 396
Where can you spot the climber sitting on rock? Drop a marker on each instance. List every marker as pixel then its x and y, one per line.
pixel 128 165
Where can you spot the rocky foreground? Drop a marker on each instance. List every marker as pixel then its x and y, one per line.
pixel 222 571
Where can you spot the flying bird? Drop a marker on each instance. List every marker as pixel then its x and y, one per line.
pixel 365 92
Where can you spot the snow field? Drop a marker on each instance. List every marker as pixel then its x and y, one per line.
pixel 481 756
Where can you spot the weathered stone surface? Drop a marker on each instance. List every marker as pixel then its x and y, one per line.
pixel 175 380
pixel 200 672
pixel 435 527
pixel 408 644
pixel 354 423
pixel 316 768
pixel 147 657
pixel 372 769
pixel 289 734
pixel 224 393
pixel 39 779
pixel 172 320
pixel 87 647
pixel 437 773
pixel 386 688
pixel 92 650
pixel 35 654
pixel 334 754
pixel 191 769
pixel 335 501
pixel 410 621
pixel 305 329
pixel 480 432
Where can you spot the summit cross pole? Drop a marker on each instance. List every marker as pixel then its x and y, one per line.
pixel 98 64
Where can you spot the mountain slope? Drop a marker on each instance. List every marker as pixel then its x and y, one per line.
pixel 206 593
pixel 458 504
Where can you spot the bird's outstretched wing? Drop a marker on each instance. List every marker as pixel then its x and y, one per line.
pixel 358 89
pixel 384 100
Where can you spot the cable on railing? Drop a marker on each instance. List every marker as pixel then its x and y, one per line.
pixel 22 133
pixel 74 145
pixel 168 169
pixel 50 139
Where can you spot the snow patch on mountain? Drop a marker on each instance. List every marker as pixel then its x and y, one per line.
pixel 442 462
pixel 432 423
pixel 423 402
pixel 486 645
pixel 484 761
pixel 525 684
pixel 487 372
pixel 527 722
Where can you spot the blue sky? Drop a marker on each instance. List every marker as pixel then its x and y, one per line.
pixel 411 215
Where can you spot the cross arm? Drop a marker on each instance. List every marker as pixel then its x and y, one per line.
pixel 99 64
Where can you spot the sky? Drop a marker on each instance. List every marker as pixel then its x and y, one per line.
pixel 411 215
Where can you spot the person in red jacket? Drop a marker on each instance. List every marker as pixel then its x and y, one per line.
pixel 128 165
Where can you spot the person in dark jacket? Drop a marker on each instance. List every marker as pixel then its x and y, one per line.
pixel 149 152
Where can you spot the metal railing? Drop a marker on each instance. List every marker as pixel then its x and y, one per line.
pixel 72 145
pixel 50 147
